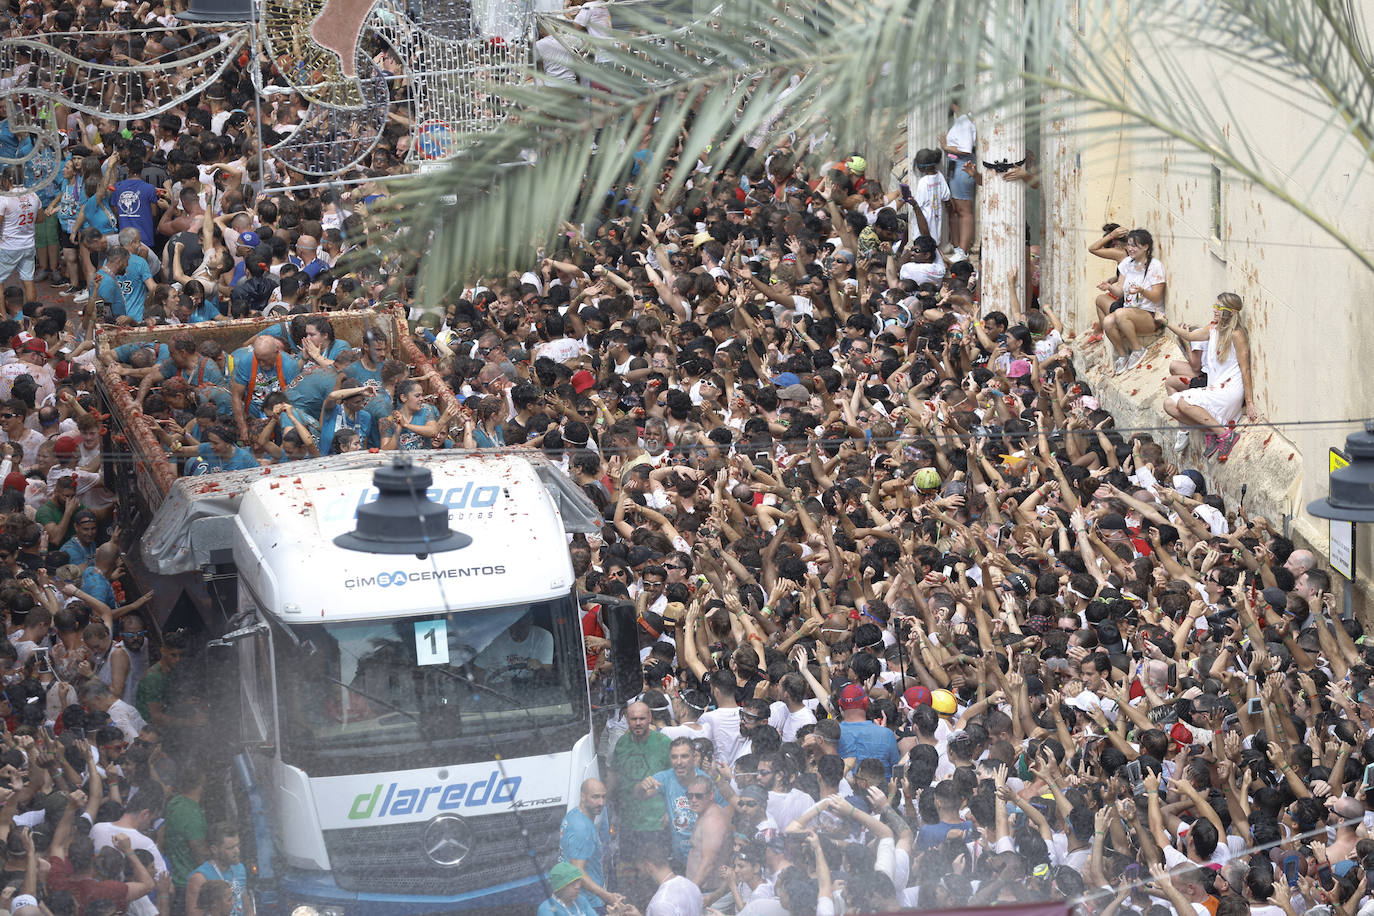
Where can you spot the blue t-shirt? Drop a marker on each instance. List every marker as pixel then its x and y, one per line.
pixel 581 839
pixel 308 391
pixel 76 553
pixel 311 270
pixel 864 740
pixel 107 289
pixel 236 875
pixel 94 583
pixel 136 205
pixel 67 210
pixel 336 418
pixel 98 216
pixel 204 371
pixel 681 818
pixel 408 439
pixel 932 835
pixel 268 379
pixel 125 352
pixel 133 288
pixel 240 460
pixel 208 311
pixel 579 907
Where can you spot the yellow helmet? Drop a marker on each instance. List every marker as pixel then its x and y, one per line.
pixel 943 702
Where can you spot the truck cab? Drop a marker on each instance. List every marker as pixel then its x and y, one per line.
pixel 414 727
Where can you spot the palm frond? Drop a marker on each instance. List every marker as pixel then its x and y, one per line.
pixel 852 71
pixel 751 68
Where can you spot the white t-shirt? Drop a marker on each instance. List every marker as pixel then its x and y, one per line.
pixel 560 350
pixel 722 727
pixel 933 272
pixel 555 58
pixel 931 193
pixel 103 834
pixel 1047 346
pixel 962 134
pixel 677 896
pixel 503 652
pixel 787 723
pixel 1132 274
pixel 17 217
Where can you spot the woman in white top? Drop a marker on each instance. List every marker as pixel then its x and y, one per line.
pixel 1227 364
pixel 958 143
pixel 1140 286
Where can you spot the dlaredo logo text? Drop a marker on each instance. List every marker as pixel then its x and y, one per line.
pixel 392 801
pixel 400 577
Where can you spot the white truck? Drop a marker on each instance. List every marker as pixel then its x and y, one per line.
pixel 414 728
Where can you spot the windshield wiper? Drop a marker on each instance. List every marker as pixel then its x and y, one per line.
pixel 371 699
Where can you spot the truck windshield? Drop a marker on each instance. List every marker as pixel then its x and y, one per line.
pixel 402 686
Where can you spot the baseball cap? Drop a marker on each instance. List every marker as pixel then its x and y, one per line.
pixel 917 696
pixel 1181 735
pixel 16 481
pixel 925 158
pixel 250 239
pixel 583 380
pixel 795 392
pixel 36 345
pixel 1112 521
pixel 853 697
pixel 845 254
pixel 784 379
pixel 857 164
pixel 927 479
pixel 66 445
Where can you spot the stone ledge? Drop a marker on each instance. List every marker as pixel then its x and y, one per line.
pixel 1264 460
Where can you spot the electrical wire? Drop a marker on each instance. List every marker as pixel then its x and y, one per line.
pixel 962 439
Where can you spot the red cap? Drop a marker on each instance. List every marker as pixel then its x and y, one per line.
pixel 1181 734
pixel 36 345
pixel 583 380
pixel 917 696
pixel 66 445
pixel 16 481
pixel 853 697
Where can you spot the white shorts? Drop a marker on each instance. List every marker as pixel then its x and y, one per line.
pixel 21 260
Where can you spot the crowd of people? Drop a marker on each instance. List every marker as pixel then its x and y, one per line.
pixel 919 626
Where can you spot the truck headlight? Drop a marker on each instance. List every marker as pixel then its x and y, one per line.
pixel 306 909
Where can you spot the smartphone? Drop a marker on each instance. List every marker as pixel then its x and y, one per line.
pixel 1324 876
pixel 1290 869
pixel 948 572
pixel 1368 776
pixel 1230 723
pixel 1255 706
pixel 1132 774
pixel 922 343
pixel 906 191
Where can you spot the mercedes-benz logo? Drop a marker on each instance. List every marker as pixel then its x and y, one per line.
pixel 447 840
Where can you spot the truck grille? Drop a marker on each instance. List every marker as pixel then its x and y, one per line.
pixel 390 859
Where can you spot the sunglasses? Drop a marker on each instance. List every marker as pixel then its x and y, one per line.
pixel 698 795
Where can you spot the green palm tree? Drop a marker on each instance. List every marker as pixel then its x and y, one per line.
pixel 668 95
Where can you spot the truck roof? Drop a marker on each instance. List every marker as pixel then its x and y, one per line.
pixel 280 524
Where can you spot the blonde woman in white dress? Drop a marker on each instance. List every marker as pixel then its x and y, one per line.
pixel 1229 392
